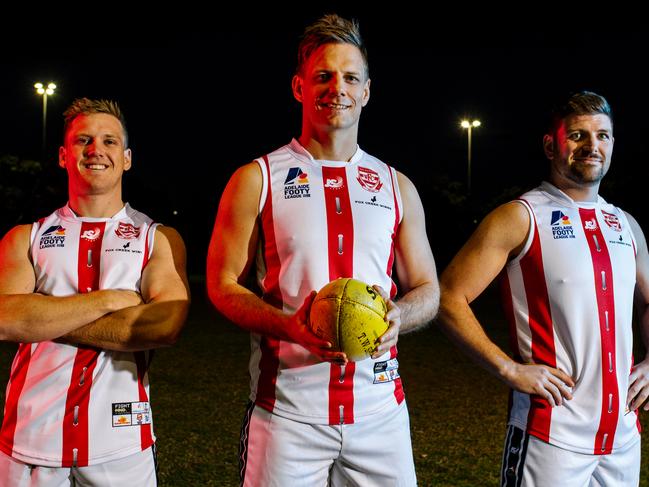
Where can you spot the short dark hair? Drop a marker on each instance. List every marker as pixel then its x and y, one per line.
pixel 86 106
pixel 330 29
pixel 578 103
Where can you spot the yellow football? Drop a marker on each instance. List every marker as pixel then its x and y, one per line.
pixel 350 314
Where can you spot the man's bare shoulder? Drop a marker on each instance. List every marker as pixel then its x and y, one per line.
pixel 247 174
pixel 17 238
pixel 506 227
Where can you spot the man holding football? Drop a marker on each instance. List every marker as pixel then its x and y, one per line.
pixel 315 210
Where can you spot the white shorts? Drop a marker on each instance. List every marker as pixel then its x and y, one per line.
pixel 278 452
pixel 530 462
pixel 138 470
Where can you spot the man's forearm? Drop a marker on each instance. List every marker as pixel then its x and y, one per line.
pixel 459 323
pixel 142 327
pixel 248 311
pixel 34 317
pixel 418 307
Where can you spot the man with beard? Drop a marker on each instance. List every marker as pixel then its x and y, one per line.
pixel 571 264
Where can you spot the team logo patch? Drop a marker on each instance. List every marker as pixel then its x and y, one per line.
pixel 131 414
pixel 127 231
pixel 296 184
pixel 369 179
pixel 53 237
pixel 386 371
pixel 335 183
pixel 561 225
pixel 612 221
pixel 91 235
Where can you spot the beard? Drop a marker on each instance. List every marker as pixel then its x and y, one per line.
pixel 583 173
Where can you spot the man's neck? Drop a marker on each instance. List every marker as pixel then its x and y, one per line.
pixel 577 191
pixel 334 146
pixel 95 206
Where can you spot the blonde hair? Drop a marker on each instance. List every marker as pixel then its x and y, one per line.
pixel 86 106
pixel 330 29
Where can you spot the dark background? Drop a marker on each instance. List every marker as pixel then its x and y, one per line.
pixel 204 93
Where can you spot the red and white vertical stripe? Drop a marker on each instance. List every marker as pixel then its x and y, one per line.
pixel 541 329
pixel 340 244
pixel 269 347
pixel 398 386
pixel 76 421
pixel 603 286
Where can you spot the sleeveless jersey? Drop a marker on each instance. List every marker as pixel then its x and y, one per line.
pixel 568 297
pixel 322 220
pixel 76 406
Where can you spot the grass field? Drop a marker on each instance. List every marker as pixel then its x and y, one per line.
pixel 199 392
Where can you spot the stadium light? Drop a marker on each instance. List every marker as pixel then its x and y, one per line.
pixel 469 126
pixel 44 91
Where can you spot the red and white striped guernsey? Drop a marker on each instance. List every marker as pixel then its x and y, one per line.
pixel 322 220
pixel 568 297
pixel 76 406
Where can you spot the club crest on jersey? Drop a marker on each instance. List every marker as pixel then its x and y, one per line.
pixel 561 225
pixel 53 237
pixel 296 184
pixel 91 235
pixel 369 179
pixel 127 231
pixel 612 221
pixel 334 183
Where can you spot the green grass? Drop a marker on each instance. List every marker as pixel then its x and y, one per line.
pixel 199 391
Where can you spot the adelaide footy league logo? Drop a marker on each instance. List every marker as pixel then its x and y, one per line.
pixel 296 184
pixel 561 225
pixel 127 231
pixel 369 179
pixel 54 236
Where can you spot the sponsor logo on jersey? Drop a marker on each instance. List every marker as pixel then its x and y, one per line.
pixel 369 179
pixel 53 237
pixel 612 221
pixel 126 248
pixel 620 241
pixel 561 225
pixel 127 231
pixel 296 184
pixel 131 414
pixel 334 183
pixel 121 421
pixel 386 371
pixel 590 224
pixel 373 202
pixel 91 235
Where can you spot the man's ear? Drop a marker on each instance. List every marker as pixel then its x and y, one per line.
pixel 296 84
pixel 548 146
pixel 127 159
pixel 62 157
pixel 366 93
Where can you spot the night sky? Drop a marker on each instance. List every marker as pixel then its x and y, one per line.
pixel 203 96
